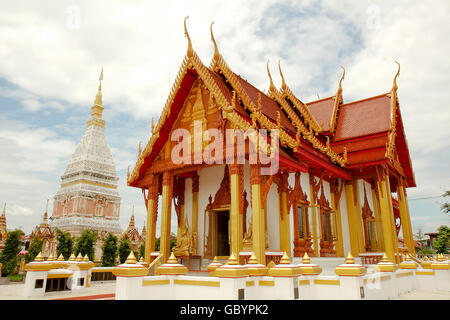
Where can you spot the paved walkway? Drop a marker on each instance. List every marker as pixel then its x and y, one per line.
pixel 105 290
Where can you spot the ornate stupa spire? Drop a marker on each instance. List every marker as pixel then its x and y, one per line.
pixel 97 108
pixel 131 225
pixel 45 218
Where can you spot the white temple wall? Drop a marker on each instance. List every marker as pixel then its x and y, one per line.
pixel 344 223
pixel 209 182
pixel 273 222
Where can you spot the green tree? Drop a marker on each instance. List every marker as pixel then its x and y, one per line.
pixel 124 249
pixel 64 244
pixel 9 256
pixel 109 250
pixel 142 251
pixel 85 244
pixel 34 249
pixel 442 242
pixel 446 206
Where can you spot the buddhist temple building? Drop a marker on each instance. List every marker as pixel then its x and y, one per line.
pixel 315 177
pixel 3 230
pixel 88 196
pixel 132 234
pixel 47 234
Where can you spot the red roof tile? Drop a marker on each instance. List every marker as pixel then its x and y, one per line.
pixel 322 111
pixel 364 117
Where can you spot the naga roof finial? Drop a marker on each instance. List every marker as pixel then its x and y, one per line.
pixel 272 87
pixel 190 51
pixel 340 81
pixel 216 50
pixel 283 84
pixel 394 86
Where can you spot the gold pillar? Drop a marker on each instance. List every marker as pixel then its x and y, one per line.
pixel 285 239
pixel 166 207
pixel 335 195
pixel 257 215
pixel 378 223
pixel 195 189
pixel 314 232
pixel 408 221
pixel 387 221
pixel 152 211
pixel 352 220
pixel 235 215
pixel 392 220
pixel 358 215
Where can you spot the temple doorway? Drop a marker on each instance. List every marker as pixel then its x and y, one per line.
pixel 222 233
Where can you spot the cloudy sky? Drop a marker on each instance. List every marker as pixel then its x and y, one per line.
pixel 51 54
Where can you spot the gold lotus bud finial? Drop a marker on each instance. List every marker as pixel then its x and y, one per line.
pixel 80 257
pixel 271 87
pixel 407 257
pixel 190 51
pixel 349 259
pixel 394 86
pixel 385 258
pixel 86 258
pixel 306 259
pixel 131 258
pixel 51 258
pixel 172 259
pixel 285 259
pixel 253 259
pixel 216 260
pixel 425 259
pixel 72 257
pixel 39 257
pixel 216 50
pixel 232 260
pixel 60 258
pixel 283 83
pixel 141 259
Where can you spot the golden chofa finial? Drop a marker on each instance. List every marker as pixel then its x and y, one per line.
pixel 216 50
pixel 190 51
pixel 394 86
pixel 340 81
pixel 272 87
pixel 283 83
pixel 153 127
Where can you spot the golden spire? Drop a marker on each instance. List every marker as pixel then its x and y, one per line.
pixel 385 258
pixel 97 108
pixel 285 259
pixel 216 50
pixel 86 258
pixel 51 258
pixel 394 86
pixel 72 257
pixel 272 87
pixel 39 257
pixel 283 83
pixel 60 258
pixel 190 51
pixel 80 257
pixel 131 225
pixel 232 260
pixel 306 259
pixel 349 259
pixel 172 259
pixel 131 258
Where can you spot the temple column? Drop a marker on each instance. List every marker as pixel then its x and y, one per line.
pixel 314 232
pixel 352 221
pixel 178 196
pixel 167 185
pixel 392 220
pixel 335 198
pixel 257 214
pixel 235 215
pixel 377 214
pixel 406 222
pixel 152 214
pixel 385 200
pixel 195 189
pixel 358 215
pixel 285 241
